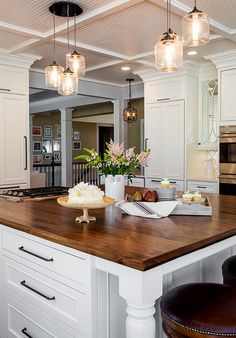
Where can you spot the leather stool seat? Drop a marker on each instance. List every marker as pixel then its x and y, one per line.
pixel 229 271
pixel 199 310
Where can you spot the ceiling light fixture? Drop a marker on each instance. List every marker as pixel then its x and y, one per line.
pixel 53 71
pixel 192 52
pixel 66 81
pixel 75 61
pixel 169 48
pixel 130 113
pixel 125 68
pixel 195 27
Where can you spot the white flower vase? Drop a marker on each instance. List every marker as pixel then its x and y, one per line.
pixel 115 187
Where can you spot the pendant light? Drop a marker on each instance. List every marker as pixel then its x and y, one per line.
pixel 53 71
pixel 75 61
pixel 169 48
pixel 195 26
pixel 68 80
pixel 130 113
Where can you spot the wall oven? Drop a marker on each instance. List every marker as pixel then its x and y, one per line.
pixel 227 167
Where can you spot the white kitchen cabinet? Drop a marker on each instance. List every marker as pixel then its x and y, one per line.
pixel 136 182
pixel 48 288
pixel 13 80
pixel 14 131
pixel 227 96
pixel 203 186
pixel 164 134
pixel 163 90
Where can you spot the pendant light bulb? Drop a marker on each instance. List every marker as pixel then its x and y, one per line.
pixel 169 48
pixel 195 27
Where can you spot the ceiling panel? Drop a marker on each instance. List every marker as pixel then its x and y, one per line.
pixel 34 14
pixel 9 40
pixel 46 51
pixel 131 31
pixel 221 11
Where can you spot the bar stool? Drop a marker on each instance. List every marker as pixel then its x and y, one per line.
pixel 229 271
pixel 199 310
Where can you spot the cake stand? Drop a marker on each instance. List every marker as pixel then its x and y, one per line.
pixel 63 200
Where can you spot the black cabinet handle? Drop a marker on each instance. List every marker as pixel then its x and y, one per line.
pixel 201 187
pixel 164 99
pixel 23 283
pixel 173 182
pixel 21 248
pixel 26 154
pixel 24 331
pixel 5 90
pixel 158 181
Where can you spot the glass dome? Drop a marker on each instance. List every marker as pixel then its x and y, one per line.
pixel 76 63
pixel 195 28
pixel 169 52
pixel 68 83
pixel 52 73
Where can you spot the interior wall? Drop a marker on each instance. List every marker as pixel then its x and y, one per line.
pixel 133 129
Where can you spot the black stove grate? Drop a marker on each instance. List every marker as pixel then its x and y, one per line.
pixel 36 192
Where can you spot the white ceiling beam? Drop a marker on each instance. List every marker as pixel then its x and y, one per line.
pixel 21 47
pixel 22 30
pixel 104 65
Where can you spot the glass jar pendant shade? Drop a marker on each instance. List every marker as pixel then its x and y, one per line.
pixel 52 74
pixel 168 49
pixel 130 113
pixel 195 27
pixel 68 83
pixel 168 53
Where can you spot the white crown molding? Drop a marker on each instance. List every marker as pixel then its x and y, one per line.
pixel 19 60
pixel 223 60
pixel 189 68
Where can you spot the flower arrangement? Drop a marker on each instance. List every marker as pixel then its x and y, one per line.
pixel 117 160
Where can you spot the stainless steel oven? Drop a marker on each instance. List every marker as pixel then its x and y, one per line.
pixel 227 167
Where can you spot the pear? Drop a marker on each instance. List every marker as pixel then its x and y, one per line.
pixel 138 196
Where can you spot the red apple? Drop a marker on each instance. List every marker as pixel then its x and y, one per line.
pixel 151 196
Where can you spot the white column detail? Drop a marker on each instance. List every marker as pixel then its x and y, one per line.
pixel 118 121
pixel 66 147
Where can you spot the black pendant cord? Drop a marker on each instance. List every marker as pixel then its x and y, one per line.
pixel 75 31
pixel 54 35
pixel 167 14
pixel 130 93
pixel 68 32
pixel 195 3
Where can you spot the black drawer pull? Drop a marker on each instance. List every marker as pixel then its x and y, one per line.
pixel 24 331
pixel 201 187
pixel 23 283
pixel 5 89
pixel 158 181
pixel 164 99
pixel 173 182
pixel 21 248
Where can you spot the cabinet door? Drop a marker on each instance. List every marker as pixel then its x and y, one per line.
pixel 164 129
pixel 154 134
pixel 227 96
pixel 14 134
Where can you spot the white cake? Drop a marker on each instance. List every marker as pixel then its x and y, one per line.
pixel 85 193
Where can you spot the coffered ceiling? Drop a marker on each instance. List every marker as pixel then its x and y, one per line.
pixel 110 33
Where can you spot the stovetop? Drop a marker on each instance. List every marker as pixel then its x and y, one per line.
pixel 34 192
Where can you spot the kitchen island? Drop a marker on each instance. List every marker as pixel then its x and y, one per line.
pixel 139 251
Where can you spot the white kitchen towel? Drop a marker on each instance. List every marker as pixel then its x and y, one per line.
pixel 141 209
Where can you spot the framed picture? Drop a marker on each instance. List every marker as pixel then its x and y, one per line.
pixel 57 133
pixel 37 131
pixel 76 135
pixel 47 131
pixel 56 145
pixel 47 158
pixel 57 156
pixel 37 159
pixel 77 145
pixel 37 146
pixel 47 145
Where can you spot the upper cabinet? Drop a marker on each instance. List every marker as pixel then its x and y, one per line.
pixel 13 80
pixel 227 96
pixel 163 90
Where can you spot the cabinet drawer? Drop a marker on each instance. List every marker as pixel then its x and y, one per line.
pixel 153 182
pixel 161 91
pixel 136 182
pixel 208 187
pixel 69 266
pixel 22 323
pixel 52 297
pixel 13 80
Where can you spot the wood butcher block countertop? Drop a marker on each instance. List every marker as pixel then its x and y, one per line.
pixel 139 243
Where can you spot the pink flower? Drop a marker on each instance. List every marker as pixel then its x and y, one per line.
pixel 143 158
pixel 116 148
pixel 129 153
